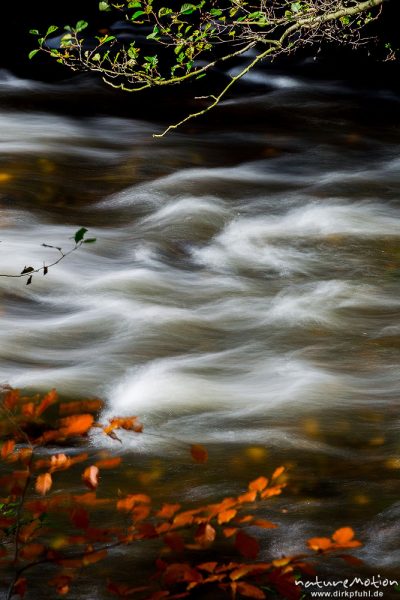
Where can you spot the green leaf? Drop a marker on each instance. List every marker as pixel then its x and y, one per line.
pixel 187 9
pixel 34 32
pixel 29 280
pixel 164 11
pixel 215 12
pixel 80 26
pixel 201 75
pixel 89 241
pixel 96 57
pixel 134 4
pixel 104 6
pixel 33 52
pixel 296 7
pixel 80 234
pixel 27 270
pixel 51 29
pixel 137 14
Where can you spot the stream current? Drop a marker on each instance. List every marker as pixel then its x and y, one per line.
pixel 243 291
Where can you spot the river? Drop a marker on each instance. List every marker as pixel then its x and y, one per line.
pixel 243 291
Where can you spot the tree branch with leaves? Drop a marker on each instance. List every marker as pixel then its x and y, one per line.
pixel 171 45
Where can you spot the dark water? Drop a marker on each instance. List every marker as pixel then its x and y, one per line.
pixel 243 293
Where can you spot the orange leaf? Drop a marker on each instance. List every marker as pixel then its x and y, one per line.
pixel 245 570
pixel 319 544
pixel 11 399
pixel 208 566
pixel 129 502
pixel 199 453
pixel 75 425
pixel 259 484
pixel 247 497
pixel 128 423
pixel 61 583
pixel 273 491
pixel 43 483
pixel 226 516
pixel 250 591
pixel 59 461
pixel 108 463
pixel 91 477
pixel 229 531
pixel 168 510
pixel 277 473
pixel 264 524
pixel 7 448
pixel 94 557
pixel 205 535
pixel 343 537
pixel 32 551
pixel 73 408
pixel 27 531
pixel 47 400
pixel 246 545
pixel 179 572
pixel 28 409
pixel 141 512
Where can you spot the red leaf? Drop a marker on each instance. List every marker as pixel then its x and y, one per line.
pixel 11 399
pixel 264 524
pixel 20 587
pixel 174 541
pixel 80 517
pixel 179 572
pixel 199 453
pixel 246 545
pixel 43 483
pixel 91 477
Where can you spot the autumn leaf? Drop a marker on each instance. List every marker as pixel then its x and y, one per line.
pixel 93 557
pixel 209 567
pixel 205 535
pixel 20 587
pixel 109 463
pixel 32 551
pixel 91 477
pixel 264 524
pixel 319 544
pixel 59 461
pixel 226 516
pixel 250 591
pixel 167 511
pixel 180 572
pixel 61 583
pixel 229 531
pixel 344 538
pixel 7 448
pixel 258 484
pixel 11 399
pixel 247 497
pixel 43 483
pixel 277 473
pixel 199 453
pixel 246 545
pixel 174 541
pixel 75 425
pixel 85 406
pixel 80 517
pixel 47 400
pixel 128 423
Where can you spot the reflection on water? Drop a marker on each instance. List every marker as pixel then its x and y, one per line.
pixel 243 291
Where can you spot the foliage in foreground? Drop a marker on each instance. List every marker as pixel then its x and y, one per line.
pixel 45 520
pixel 172 42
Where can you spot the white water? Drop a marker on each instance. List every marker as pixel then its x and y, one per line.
pixel 220 303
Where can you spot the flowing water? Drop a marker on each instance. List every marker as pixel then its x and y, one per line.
pixel 243 291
